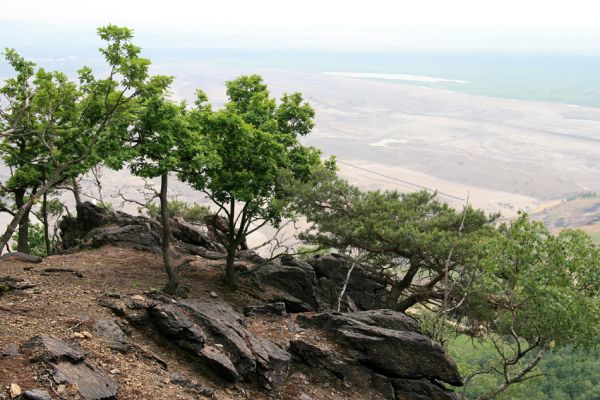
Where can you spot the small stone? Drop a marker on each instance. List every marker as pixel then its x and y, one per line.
pixel 298 376
pixel 78 335
pixel 206 392
pixel 37 394
pixel 137 297
pixel 347 385
pixel 72 389
pixel 15 390
pixel 114 371
pixel 326 384
pixel 86 334
pixel 214 295
pixel 304 396
pixel 60 389
pixel 10 350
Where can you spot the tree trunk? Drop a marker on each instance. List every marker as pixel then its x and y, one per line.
pixel 23 240
pixel 232 244
pixel 77 193
pixel 172 274
pixel 45 221
pixel 54 179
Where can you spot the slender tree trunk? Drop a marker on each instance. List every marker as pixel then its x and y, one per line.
pixel 77 193
pixel 23 240
pixel 173 275
pixel 230 275
pixel 54 179
pixel 45 221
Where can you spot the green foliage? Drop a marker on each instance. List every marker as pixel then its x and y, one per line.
pixel 542 286
pixel 406 237
pixel 248 145
pixel 306 251
pixel 37 244
pixel 565 373
pixel 178 208
pixel 54 129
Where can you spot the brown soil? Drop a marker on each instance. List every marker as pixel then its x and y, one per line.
pixel 62 303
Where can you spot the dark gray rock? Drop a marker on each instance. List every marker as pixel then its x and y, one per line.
pixel 234 353
pixel 365 291
pixel 423 389
pixel 277 308
pixel 11 350
pixel 182 381
pixel 386 319
pixel 297 281
pixel 385 350
pixel 68 270
pixel 379 318
pixel 37 394
pixel 68 365
pixel 138 235
pixel 217 361
pixel 13 283
pixel 19 256
pixel 292 304
pixel 174 323
pixel 112 333
pixel 195 235
pixel 50 349
pixel 92 383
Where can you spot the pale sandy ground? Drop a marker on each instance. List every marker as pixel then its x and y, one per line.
pixel 507 154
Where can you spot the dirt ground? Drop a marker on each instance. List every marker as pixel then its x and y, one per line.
pixel 62 303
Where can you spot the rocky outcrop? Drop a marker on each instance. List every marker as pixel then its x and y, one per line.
pixel 364 290
pixel 298 281
pixel 96 227
pixel 213 333
pixel 315 284
pixel 380 349
pixel 69 365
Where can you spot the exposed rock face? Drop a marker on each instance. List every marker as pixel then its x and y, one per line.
pixel 383 350
pixel 112 333
pixel 315 284
pixel 299 281
pixel 95 227
pixel 215 334
pixel 364 290
pixel 69 365
pixel 276 308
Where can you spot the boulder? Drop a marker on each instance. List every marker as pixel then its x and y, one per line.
pixel 50 349
pixel 217 361
pixel 379 349
pixel 68 365
pixel 194 234
pixel 19 256
pixel 112 334
pixel 386 350
pixel 137 235
pixel 365 291
pixel 421 389
pixel 216 335
pixel 36 394
pixel 298 281
pixel 91 382
pixel 276 308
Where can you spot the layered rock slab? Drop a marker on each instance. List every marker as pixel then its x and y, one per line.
pixel 381 349
pixel 69 365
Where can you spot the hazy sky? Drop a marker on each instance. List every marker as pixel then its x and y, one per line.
pixel 331 23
